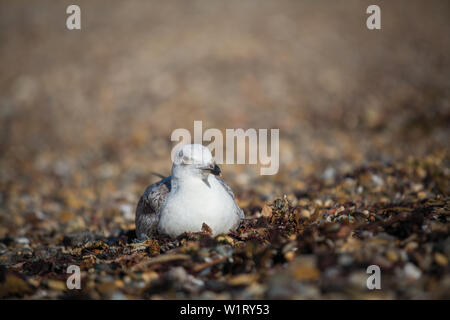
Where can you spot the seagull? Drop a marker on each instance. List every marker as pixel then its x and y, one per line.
pixel 193 195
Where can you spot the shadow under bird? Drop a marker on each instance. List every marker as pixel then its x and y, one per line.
pixel 194 194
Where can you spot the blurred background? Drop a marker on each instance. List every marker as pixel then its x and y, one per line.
pixel 86 116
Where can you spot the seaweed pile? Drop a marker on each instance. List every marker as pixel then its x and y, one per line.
pixel 315 246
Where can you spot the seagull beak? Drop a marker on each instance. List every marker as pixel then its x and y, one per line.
pixel 214 169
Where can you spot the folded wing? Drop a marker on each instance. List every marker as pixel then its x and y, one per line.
pixel 147 210
pixel 227 188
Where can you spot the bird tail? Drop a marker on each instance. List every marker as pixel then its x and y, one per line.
pixel 157 174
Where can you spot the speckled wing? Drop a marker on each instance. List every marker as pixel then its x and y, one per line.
pixel 148 208
pixel 230 192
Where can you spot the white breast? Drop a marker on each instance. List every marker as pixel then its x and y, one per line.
pixel 193 204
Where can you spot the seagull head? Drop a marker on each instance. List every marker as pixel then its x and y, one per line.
pixel 194 160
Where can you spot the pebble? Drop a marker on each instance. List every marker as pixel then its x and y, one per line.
pixel 75 224
pixel 377 180
pixel 412 272
pixel 440 259
pixel 329 173
pixel 305 214
pixel 266 211
pixel 56 285
pixel 392 255
pixel 23 240
pixel 127 211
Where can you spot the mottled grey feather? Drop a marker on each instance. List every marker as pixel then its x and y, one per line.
pixel 148 208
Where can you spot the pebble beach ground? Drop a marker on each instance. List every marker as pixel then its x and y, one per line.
pixel 86 117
